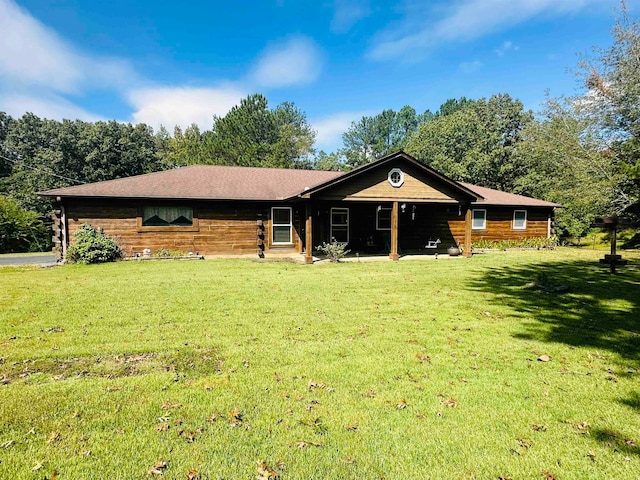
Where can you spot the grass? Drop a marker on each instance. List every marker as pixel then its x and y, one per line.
pixel 396 370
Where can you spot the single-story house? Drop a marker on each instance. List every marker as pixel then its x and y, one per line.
pixel 394 205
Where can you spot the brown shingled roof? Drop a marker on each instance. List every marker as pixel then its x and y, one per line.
pixel 208 182
pixel 496 197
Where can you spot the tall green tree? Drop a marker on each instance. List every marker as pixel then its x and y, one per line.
pixel 567 162
pixel 474 140
pixel 373 137
pixel 252 135
pixel 612 103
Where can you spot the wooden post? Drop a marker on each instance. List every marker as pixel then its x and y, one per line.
pixel 467 233
pixel 393 255
pixel 308 235
pixel 614 257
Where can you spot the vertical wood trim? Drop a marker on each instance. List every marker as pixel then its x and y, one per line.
pixel 308 235
pixel 549 226
pixel 393 255
pixel 467 232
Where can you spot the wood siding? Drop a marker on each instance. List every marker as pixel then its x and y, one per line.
pixel 375 187
pixel 232 228
pixel 222 228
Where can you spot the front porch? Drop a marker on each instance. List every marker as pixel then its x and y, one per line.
pixel 387 229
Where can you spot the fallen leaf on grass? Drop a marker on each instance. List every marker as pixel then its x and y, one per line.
pixel 352 427
pixel 349 459
pixel 450 402
pixel 7 444
pixel 544 358
pixel 192 475
pixel 583 427
pixel 402 404
pixel 304 444
pixel 538 427
pixel 162 427
pixel 423 358
pixel 592 456
pixel 114 388
pixel 422 416
pixel 156 468
pixel 504 477
pixel 524 443
pixel 630 442
pixel 54 475
pixel 171 406
pixel 370 394
pixel 53 437
pixel 37 467
pixel 547 475
pixel 265 472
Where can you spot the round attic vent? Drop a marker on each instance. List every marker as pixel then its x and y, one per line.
pixel 396 177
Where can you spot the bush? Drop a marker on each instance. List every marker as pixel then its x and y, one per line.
pixel 20 230
pixel 334 250
pixel 167 253
pixel 93 246
pixel 529 243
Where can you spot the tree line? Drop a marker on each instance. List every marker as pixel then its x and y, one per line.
pixel 580 151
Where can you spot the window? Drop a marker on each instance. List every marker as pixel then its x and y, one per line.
pixel 519 219
pixel 479 219
pixel 167 216
pixel 281 225
pixel 395 177
pixel 340 225
pixel 383 218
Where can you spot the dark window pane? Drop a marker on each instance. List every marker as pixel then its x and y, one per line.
pixel 340 234
pixel 281 234
pixel 340 216
pixel 281 216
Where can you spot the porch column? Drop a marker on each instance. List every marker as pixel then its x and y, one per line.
pixel 467 233
pixel 393 255
pixel 308 235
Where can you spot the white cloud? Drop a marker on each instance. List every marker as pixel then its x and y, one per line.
pixel 295 62
pixel 470 67
pixel 347 13
pixel 44 105
pixel 33 54
pixel 330 129
pixel 170 106
pixel 466 20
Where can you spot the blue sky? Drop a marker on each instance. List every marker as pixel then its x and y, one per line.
pixel 162 62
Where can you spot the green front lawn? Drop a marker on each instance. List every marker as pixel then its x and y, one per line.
pixel 397 370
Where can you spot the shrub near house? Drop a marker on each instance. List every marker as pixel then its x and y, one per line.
pixel 93 246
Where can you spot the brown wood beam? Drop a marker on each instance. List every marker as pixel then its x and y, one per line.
pixel 393 255
pixel 467 233
pixel 308 235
